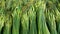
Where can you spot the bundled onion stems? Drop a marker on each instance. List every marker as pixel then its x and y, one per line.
pixel 42 27
pixel 16 20
pixel 32 20
pixel 29 16
pixel 51 22
pixel 25 23
pixel 8 24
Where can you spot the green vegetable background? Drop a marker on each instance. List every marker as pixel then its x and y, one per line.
pixel 29 16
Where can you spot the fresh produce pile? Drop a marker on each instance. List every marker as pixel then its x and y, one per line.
pixel 29 16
